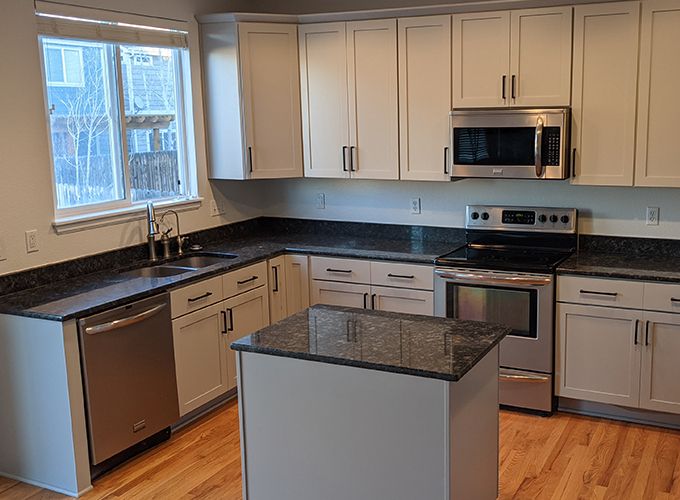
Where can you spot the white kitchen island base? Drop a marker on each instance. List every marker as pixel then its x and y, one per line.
pixel 317 431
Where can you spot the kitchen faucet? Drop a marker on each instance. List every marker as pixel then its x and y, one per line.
pixel 153 231
pixel 180 239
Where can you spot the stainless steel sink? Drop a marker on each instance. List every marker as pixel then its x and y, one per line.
pixel 199 261
pixel 157 271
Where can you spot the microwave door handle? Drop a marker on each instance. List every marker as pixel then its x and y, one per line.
pixel 538 147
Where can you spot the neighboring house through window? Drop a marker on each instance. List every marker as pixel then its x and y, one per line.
pixel 63 64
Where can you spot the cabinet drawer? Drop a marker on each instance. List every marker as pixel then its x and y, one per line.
pixel 349 270
pixel 245 279
pixel 402 275
pixel 195 296
pixel 662 297
pixel 598 291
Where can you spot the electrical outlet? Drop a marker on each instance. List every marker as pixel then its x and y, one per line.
pixel 3 254
pixel 321 201
pixel 415 205
pixel 215 208
pixel 652 216
pixel 32 241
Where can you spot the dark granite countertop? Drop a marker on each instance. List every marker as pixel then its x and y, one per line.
pixel 649 267
pixel 91 293
pixel 423 346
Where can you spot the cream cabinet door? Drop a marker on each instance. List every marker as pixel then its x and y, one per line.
pixel 402 300
pixel 373 99
pixel 336 293
pixel 200 358
pixel 540 62
pixel 598 354
pixel 604 93
pixel 323 85
pixel 270 81
pixel 424 97
pixel 246 313
pixel 481 59
pixel 658 147
pixel 297 283
pixel 277 289
pixel 660 376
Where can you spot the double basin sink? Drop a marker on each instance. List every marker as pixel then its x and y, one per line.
pixel 179 266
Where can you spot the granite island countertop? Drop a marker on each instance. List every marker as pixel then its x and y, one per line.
pixel 66 299
pixel 423 346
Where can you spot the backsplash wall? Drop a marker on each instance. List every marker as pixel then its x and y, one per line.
pixel 603 210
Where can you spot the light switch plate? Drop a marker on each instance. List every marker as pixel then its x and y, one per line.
pixel 32 241
pixel 321 201
pixel 415 206
pixel 652 216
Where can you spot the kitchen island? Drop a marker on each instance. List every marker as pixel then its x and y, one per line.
pixel 341 403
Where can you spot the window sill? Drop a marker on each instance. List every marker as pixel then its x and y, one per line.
pixel 118 216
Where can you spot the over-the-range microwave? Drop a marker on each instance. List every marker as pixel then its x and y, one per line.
pixel 510 143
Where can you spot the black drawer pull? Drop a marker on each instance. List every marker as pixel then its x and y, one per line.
pixel 205 295
pixel 276 279
pixel 647 333
pixel 635 340
pixel 591 292
pixel 346 271
pixel 230 328
pixel 224 317
pixel 673 299
pixel 252 278
pixel 404 276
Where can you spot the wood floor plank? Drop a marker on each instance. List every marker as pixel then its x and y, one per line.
pixel 565 457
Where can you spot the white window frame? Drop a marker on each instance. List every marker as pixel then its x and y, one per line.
pixel 62 46
pixel 69 217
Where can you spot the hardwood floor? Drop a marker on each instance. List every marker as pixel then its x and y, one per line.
pixel 563 457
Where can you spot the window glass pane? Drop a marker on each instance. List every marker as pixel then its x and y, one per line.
pixel 150 90
pixel 53 65
pixel 84 127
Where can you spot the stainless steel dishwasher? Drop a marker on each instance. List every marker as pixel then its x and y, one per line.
pixel 128 368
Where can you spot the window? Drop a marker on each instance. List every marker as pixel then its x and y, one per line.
pixel 116 123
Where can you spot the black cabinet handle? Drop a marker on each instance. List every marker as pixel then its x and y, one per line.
pixel 365 300
pixel 344 158
pixel 224 319
pixel 331 270
pixel 404 276
pixel 592 292
pixel 513 85
pixel 647 333
pixel 673 299
pixel 253 278
pixel 276 278
pixel 205 295
pixel 230 327
pixel 446 158
pixel 573 162
pixel 373 301
pixel 351 159
pixel 250 158
pixel 635 341
pixel 503 79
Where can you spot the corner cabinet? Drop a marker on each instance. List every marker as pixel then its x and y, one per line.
pixel 658 147
pixel 512 58
pixel 252 95
pixel 424 97
pixel 350 100
pixel 604 93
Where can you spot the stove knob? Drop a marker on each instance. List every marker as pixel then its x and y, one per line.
pixel 485 216
pixel 565 219
pixel 553 218
pixel 474 216
pixel 542 218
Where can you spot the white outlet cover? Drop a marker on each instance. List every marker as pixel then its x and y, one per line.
pixel 321 201
pixel 415 206
pixel 652 216
pixel 32 241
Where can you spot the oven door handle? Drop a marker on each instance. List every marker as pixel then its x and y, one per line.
pixel 494 279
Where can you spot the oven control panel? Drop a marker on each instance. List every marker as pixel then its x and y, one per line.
pixel 544 219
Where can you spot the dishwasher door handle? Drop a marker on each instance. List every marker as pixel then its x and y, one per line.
pixel 123 322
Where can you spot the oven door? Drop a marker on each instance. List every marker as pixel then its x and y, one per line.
pixel 524 302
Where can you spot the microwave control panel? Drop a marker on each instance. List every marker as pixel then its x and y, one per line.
pixel 551 146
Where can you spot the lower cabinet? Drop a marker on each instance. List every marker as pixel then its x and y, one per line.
pixel 337 293
pixel 245 314
pixel 402 300
pixel 200 357
pixel 297 283
pixel 277 289
pixel 627 357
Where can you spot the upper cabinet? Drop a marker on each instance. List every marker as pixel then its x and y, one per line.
pixel 512 58
pixel 252 93
pixel 658 147
pixel 604 93
pixel 424 97
pixel 349 99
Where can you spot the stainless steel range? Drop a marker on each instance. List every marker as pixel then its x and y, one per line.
pixel 506 274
